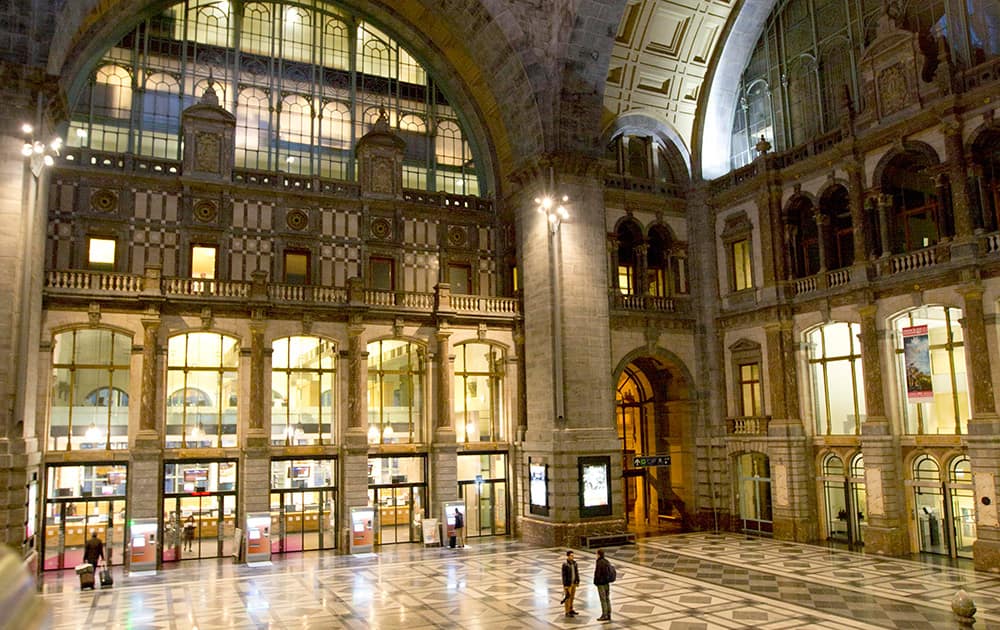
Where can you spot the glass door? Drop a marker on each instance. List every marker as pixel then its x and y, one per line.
pixel 81 501
pixel 485 508
pixel 302 520
pixel 397 509
pixel 754 493
pixel 199 510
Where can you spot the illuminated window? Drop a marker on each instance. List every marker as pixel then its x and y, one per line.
pixel 88 406
pixel 478 393
pixel 297 268
pixel 203 261
pixel 742 265
pixel 395 392
pixel 101 254
pixel 303 383
pixel 837 379
pixel 202 390
pixel 751 396
pixel 930 359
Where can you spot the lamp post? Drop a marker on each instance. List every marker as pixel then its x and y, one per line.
pixel 555 212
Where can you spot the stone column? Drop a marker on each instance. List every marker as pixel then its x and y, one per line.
pixel 961 205
pixel 146 455
pixel 254 471
pixel 641 265
pixel 822 233
pixel 148 425
pixel 569 266
pixel 612 247
pixel 444 450
pixel 856 184
pixel 886 531
pixel 884 218
pixel 354 478
pixel 984 429
pixel 792 480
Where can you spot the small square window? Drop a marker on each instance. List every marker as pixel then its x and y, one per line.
pixel 297 268
pixel 101 254
pixel 383 276
pixel 203 261
pixel 460 279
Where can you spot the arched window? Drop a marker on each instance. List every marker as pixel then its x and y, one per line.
pixel 837 379
pixel 930 355
pixel 629 240
pixel 302 371
pixel 202 371
pixel 835 206
pixel 276 67
pixel 916 221
pixel 88 406
pixel 395 392
pixel 658 262
pixel 926 469
pixel 478 395
pixel 963 505
pixel 986 178
pixel 803 100
pixel 804 233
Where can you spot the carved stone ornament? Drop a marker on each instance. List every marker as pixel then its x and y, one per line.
pixel 104 200
pixel 206 152
pixel 381 228
pixel 297 219
pixel 381 175
pixel 205 210
pixel 457 236
pixel 892 89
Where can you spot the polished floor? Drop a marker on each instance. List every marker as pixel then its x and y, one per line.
pixel 682 582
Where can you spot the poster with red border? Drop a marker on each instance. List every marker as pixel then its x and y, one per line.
pixel 917 364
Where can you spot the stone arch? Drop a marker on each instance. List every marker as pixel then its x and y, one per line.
pixel 922 150
pixel 642 124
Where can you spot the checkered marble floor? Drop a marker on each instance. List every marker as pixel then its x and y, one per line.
pixel 686 582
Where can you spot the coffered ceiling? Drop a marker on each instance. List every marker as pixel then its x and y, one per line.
pixel 660 60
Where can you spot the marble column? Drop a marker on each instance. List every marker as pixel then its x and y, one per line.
pixel 856 190
pixel 444 450
pixel 148 425
pixel 884 218
pixel 354 464
pixel 886 530
pixel 961 205
pixel 822 230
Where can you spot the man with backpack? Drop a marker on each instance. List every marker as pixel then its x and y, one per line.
pixel 604 575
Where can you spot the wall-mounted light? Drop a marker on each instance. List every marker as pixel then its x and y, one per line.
pixel 40 153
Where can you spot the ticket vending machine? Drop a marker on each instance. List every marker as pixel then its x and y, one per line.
pixel 142 546
pixel 448 514
pixel 258 539
pixel 362 529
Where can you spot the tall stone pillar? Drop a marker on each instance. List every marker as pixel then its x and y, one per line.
pixel 641 267
pixel 984 430
pixel 884 218
pixel 255 467
pixel 961 205
pixel 444 450
pixel 566 326
pixel 856 190
pixel 886 531
pixel 146 454
pixel 612 245
pixel 822 233
pixel 792 480
pixel 354 479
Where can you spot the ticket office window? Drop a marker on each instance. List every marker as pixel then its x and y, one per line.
pixel 303 505
pixel 199 509
pixel 397 488
pixel 482 484
pixel 80 501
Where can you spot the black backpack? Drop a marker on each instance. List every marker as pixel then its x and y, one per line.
pixel 612 574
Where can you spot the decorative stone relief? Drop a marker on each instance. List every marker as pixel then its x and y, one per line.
pixel 892 89
pixel 206 157
pixel 382 175
pixel 297 219
pixel 381 228
pixel 205 210
pixel 986 489
pixel 104 200
pixel 780 475
pixel 457 236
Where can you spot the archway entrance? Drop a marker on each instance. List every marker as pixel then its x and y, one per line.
pixel 651 412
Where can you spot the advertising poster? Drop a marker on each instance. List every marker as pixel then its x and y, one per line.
pixel 917 362
pixel 595 485
pixel 538 485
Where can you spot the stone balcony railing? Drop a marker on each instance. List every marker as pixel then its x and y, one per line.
pixel 674 305
pixel 94 285
pixel 747 425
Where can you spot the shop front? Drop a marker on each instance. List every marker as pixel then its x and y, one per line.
pixel 303 500
pixel 397 489
pixel 199 509
pixel 81 500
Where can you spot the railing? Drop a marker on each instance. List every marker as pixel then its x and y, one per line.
pixel 198 287
pixel 839 277
pixel 912 261
pixel 822 280
pixel 484 304
pixel 302 293
pixel 991 243
pixel 94 282
pixel 747 425
pixel 644 303
pixel 651 186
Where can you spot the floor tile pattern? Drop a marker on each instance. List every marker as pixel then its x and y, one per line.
pixel 688 582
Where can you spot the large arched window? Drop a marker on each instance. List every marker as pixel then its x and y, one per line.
pixel 202 390
pixel 395 392
pixel 930 356
pixel 478 394
pixel 837 380
pixel 299 79
pixel 302 384
pixel 917 220
pixel 89 395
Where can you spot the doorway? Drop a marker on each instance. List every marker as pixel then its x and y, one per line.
pixel 482 484
pixel 753 494
pixel 81 501
pixel 303 505
pixel 398 491
pixel 199 510
pixel 944 511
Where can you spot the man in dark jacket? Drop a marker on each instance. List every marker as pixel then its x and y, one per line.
pixel 570 580
pixel 602 579
pixel 93 551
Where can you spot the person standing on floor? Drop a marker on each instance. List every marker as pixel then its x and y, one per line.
pixel 570 580
pixel 93 550
pixel 604 575
pixel 459 528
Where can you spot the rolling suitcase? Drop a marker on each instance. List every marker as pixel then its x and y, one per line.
pixel 106 580
pixel 451 542
pixel 86 573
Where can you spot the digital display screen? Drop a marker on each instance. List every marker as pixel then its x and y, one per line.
pixel 538 484
pixel 138 541
pixel 195 474
pixel 595 485
pixel 300 472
